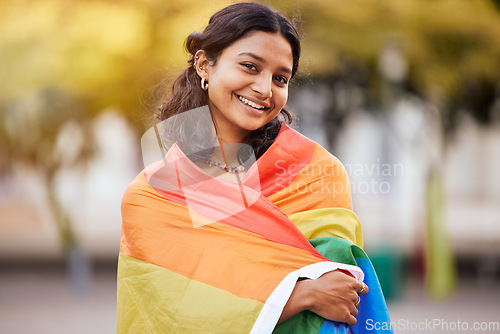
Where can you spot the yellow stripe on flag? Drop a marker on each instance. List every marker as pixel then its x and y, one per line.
pixel 332 222
pixel 155 300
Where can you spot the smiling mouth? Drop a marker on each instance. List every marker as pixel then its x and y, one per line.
pixel 250 103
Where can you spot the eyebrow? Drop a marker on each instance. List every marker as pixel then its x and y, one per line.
pixel 262 60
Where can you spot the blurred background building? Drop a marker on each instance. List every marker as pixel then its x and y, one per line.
pixel 405 93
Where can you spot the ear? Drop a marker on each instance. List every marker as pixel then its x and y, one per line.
pixel 202 64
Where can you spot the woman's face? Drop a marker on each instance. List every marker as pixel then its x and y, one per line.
pixel 248 85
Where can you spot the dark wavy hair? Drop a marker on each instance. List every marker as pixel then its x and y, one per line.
pixel 225 28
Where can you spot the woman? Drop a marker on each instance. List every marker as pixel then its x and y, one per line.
pixel 215 236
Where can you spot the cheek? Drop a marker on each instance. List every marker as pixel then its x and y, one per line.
pixel 218 92
pixel 281 98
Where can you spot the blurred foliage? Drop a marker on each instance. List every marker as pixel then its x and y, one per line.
pixel 45 131
pixel 110 53
pixel 106 53
pixel 451 47
pixel 64 62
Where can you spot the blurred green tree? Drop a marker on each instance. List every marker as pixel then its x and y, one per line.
pixel 63 63
pixel 452 48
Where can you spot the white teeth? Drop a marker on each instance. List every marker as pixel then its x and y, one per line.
pixel 250 103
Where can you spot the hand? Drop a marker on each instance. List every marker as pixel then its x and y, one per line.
pixel 335 296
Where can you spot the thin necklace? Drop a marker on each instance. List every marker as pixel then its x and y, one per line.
pixel 224 166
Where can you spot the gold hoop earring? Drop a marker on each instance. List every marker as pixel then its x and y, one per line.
pixel 204 84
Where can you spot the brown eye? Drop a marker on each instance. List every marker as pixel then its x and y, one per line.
pixel 281 79
pixel 250 67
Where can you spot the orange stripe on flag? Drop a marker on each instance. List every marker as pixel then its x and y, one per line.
pixel 156 230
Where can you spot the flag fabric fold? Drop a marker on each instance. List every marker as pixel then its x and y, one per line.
pixel 200 254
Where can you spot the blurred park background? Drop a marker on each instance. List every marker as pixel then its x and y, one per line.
pixel 405 92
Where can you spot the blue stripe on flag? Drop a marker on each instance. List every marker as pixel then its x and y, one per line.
pixel 372 305
pixel 333 327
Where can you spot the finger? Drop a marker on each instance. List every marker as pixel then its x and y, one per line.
pixel 351 320
pixel 357 302
pixel 355 312
pixel 363 290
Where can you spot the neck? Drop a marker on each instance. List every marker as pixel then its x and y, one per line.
pixel 228 152
pixel 232 137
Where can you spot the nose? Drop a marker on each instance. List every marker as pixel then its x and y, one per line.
pixel 263 85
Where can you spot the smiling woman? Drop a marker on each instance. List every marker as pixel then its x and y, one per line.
pixel 226 40
pixel 245 225
pixel 248 85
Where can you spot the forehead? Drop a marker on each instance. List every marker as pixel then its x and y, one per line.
pixel 272 47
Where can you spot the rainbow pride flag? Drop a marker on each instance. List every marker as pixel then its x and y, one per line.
pixel 200 254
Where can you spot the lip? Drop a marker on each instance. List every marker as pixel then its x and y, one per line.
pixel 266 105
